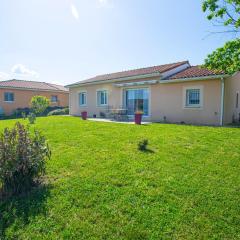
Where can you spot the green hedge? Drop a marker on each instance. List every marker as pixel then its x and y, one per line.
pixel 64 111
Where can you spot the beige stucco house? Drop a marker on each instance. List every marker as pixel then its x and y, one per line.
pixel 16 94
pixel 176 92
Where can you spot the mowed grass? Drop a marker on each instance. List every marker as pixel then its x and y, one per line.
pixel 100 186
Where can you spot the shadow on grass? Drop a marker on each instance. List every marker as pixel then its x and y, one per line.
pixel 147 151
pixel 21 208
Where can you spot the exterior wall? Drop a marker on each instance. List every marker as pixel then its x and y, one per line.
pixel 166 101
pixel 22 99
pixel 169 100
pixel 231 111
pixel 114 99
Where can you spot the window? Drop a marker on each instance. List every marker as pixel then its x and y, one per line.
pixel 137 100
pixel 82 98
pixel 8 97
pixel 193 97
pixel 102 98
pixel 237 99
pixel 54 99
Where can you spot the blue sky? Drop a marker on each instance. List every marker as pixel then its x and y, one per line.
pixel 64 41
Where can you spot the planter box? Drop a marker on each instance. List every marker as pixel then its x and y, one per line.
pixel 138 118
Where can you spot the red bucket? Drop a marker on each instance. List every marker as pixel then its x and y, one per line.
pixel 84 115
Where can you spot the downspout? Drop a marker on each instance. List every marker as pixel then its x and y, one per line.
pixel 222 101
pixel 69 101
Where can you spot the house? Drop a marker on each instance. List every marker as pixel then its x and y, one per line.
pixel 18 93
pixel 176 92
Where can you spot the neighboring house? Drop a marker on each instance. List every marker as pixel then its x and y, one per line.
pixel 174 92
pixel 18 93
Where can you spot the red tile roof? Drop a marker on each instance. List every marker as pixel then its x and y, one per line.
pixel 141 71
pixel 195 71
pixel 23 84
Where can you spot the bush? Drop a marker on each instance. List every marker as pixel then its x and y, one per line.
pixel 2 114
pixel 24 112
pixel 22 159
pixel 39 104
pixel 142 145
pixel 64 111
pixel 19 112
pixel 31 118
pixel 51 108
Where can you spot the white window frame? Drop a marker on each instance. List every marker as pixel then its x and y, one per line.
pixel 193 106
pixel 7 100
pixel 79 98
pixel 134 88
pixel 98 103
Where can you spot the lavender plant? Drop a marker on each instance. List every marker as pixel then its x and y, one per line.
pixel 22 158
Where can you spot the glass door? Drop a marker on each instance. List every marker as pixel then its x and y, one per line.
pixel 137 100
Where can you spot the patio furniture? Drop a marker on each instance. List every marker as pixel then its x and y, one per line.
pixel 120 114
pixel 108 112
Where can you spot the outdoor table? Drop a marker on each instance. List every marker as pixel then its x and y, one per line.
pixel 118 113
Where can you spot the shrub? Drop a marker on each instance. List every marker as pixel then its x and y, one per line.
pixel 39 104
pixel 1 111
pixel 64 111
pixel 22 158
pixel 2 116
pixel 19 112
pixel 51 108
pixel 142 145
pixel 31 118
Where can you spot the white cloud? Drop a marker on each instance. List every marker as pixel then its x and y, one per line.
pixel 4 76
pixel 20 70
pixel 74 12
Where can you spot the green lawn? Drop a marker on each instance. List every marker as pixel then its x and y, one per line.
pixel 101 187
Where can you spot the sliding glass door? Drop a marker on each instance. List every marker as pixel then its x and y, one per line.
pixel 137 100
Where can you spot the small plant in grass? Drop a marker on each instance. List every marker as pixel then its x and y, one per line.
pixel 142 145
pixel 24 115
pixel 139 112
pixel 31 118
pixel 22 159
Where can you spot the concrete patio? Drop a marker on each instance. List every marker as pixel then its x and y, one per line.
pixel 114 121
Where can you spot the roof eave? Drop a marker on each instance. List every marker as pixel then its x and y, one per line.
pixel 33 89
pixel 156 74
pixel 195 78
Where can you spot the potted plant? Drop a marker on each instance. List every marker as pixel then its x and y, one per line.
pixel 138 117
pixel 84 115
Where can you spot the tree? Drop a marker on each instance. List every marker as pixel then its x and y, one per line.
pixel 39 104
pixel 224 12
pixel 226 58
